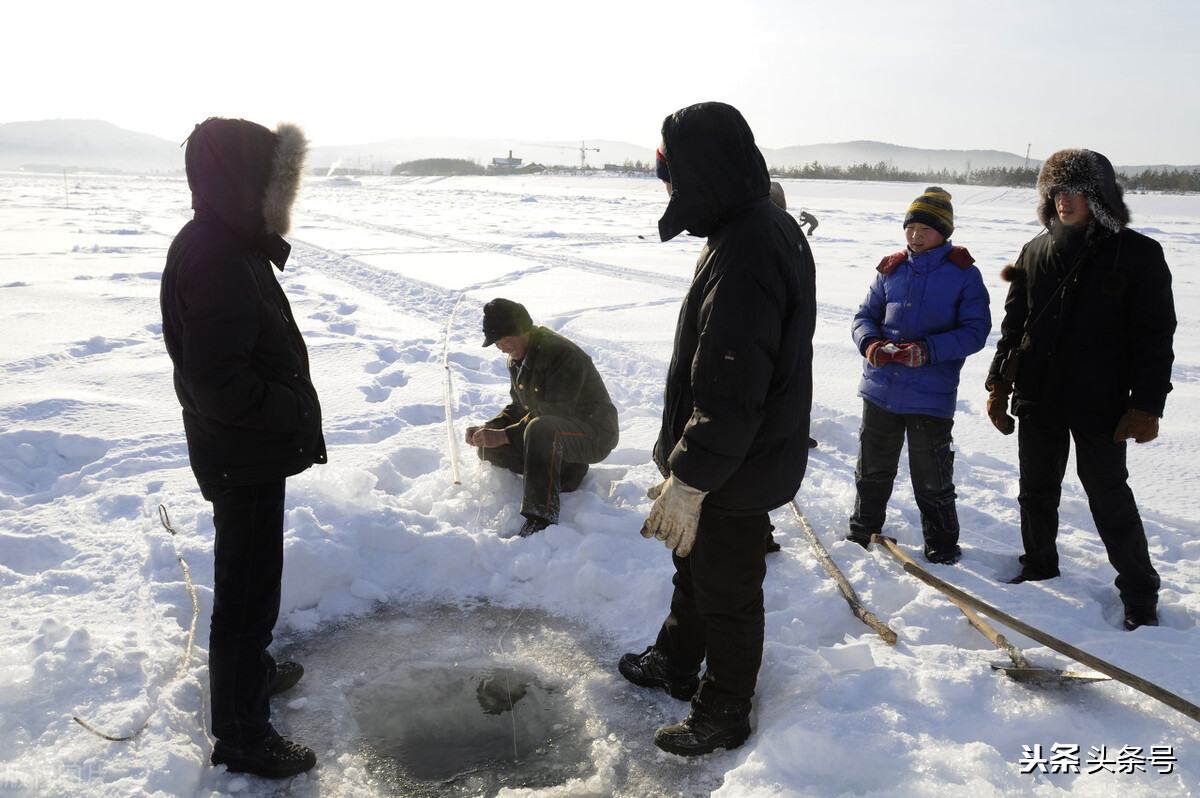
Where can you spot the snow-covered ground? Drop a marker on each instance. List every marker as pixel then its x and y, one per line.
pixel 400 558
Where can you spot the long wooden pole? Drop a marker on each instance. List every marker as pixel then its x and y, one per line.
pixel 856 605
pixel 983 627
pixel 1079 655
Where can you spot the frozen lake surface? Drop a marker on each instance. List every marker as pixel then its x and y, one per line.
pixel 406 594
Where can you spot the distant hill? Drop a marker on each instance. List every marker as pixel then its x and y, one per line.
pixel 85 144
pixel 907 159
pixel 94 145
pixel 617 152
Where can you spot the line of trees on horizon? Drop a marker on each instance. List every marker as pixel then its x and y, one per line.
pixel 440 167
pixel 1176 181
pixel 1164 180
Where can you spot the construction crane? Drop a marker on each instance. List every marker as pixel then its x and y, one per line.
pixel 583 151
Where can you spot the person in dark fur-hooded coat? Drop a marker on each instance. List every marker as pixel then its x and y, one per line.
pixel 241 366
pixel 1091 312
pixel 250 412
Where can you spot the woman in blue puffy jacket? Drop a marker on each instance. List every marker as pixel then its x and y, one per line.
pixel 927 310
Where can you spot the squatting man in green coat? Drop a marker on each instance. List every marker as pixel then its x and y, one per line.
pixel 560 418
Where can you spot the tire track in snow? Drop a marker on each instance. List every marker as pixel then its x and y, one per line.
pixel 545 260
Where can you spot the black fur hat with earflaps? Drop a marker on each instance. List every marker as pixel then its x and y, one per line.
pixel 1082 172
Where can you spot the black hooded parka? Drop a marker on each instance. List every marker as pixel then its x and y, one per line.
pixel 1094 306
pixel 739 386
pixel 250 410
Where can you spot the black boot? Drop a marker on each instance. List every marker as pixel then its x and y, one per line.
pixel 1140 615
pixel 278 760
pixel 706 728
pixel 285 678
pixel 1032 575
pixel 859 538
pixel 943 555
pixel 532 526
pixel 651 669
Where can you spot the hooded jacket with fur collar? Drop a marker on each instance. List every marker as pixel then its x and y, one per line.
pixel 241 374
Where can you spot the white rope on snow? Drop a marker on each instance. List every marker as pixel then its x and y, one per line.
pixel 165 519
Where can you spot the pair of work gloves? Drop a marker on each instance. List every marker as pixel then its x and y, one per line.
pixel 675 516
pixel 882 352
pixel 1139 425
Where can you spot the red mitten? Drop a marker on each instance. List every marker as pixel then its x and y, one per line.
pixel 911 355
pixel 880 353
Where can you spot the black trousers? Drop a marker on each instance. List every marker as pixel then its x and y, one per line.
pixel 931 466
pixel 554 457
pixel 246 587
pixel 1100 462
pixel 717 613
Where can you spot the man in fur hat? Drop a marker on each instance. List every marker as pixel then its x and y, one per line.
pixel 250 413
pixel 1085 353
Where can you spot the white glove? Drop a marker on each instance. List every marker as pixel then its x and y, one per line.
pixel 675 515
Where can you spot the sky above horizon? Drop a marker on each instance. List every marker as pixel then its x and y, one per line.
pixel 1116 77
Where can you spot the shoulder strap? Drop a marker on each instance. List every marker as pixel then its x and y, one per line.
pixel 1029 324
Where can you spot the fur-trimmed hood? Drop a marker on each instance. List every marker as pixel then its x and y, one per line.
pixel 245 174
pixel 1082 172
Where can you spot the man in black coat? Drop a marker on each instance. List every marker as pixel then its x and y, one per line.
pixel 250 412
pixel 1087 340
pixel 560 418
pixel 734 439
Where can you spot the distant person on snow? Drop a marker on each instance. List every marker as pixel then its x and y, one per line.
pixel 560 418
pixel 780 199
pixel 1085 352
pixel 809 220
pixel 734 439
pixel 250 413
pixel 925 313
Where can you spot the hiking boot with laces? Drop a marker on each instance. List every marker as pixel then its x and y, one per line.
pixel 651 669
pixel 705 729
pixel 277 760
pixel 285 678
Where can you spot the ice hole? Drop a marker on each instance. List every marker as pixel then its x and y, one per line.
pixel 438 722
pixel 448 700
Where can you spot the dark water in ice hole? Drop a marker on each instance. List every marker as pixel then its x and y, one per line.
pixel 436 722
pixel 467 700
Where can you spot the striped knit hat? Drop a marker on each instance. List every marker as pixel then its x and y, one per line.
pixel 933 209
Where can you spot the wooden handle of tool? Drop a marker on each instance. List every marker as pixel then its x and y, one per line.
pixel 1033 633
pixel 856 605
pixel 984 628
